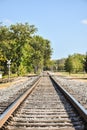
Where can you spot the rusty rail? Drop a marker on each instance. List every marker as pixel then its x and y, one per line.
pixel 81 110
pixel 8 112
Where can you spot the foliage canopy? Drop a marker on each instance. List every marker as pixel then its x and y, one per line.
pixel 27 51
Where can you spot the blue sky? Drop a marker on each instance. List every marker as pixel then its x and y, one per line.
pixel 63 22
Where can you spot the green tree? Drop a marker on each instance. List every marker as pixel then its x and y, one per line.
pixel 47 53
pixel 41 54
pixel 21 34
pixel 27 52
pixel 4 38
pixel 69 65
pixel 60 64
pixel 85 63
pixel 74 63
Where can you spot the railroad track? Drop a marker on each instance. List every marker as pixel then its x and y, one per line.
pixel 10 94
pixel 77 89
pixel 43 107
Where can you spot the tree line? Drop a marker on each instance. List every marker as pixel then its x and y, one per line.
pixel 73 64
pixel 28 52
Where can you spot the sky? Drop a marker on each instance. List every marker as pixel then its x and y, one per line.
pixel 63 22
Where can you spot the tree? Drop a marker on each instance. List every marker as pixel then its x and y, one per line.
pixel 74 63
pixel 85 63
pixel 41 54
pixel 27 52
pixel 4 37
pixel 21 34
pixel 68 64
pixel 60 64
pixel 47 53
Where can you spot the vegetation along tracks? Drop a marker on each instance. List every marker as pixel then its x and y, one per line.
pixel 45 108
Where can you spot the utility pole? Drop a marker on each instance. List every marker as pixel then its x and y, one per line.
pixel 8 65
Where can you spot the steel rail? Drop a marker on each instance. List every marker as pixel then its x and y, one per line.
pixel 80 109
pixel 8 112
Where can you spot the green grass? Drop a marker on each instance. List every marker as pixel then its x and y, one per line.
pixel 78 75
pixel 11 76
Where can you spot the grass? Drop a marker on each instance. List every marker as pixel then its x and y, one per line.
pixel 77 75
pixel 12 75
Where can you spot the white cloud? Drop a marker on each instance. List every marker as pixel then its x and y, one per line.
pixel 84 21
pixel 7 22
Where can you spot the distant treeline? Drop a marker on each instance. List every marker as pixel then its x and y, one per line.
pixel 28 52
pixel 73 64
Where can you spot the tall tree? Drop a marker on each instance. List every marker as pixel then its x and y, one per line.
pixel 85 63
pixel 42 52
pixel 21 33
pixel 74 63
pixel 26 51
pixel 4 38
pixel 68 64
pixel 47 53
